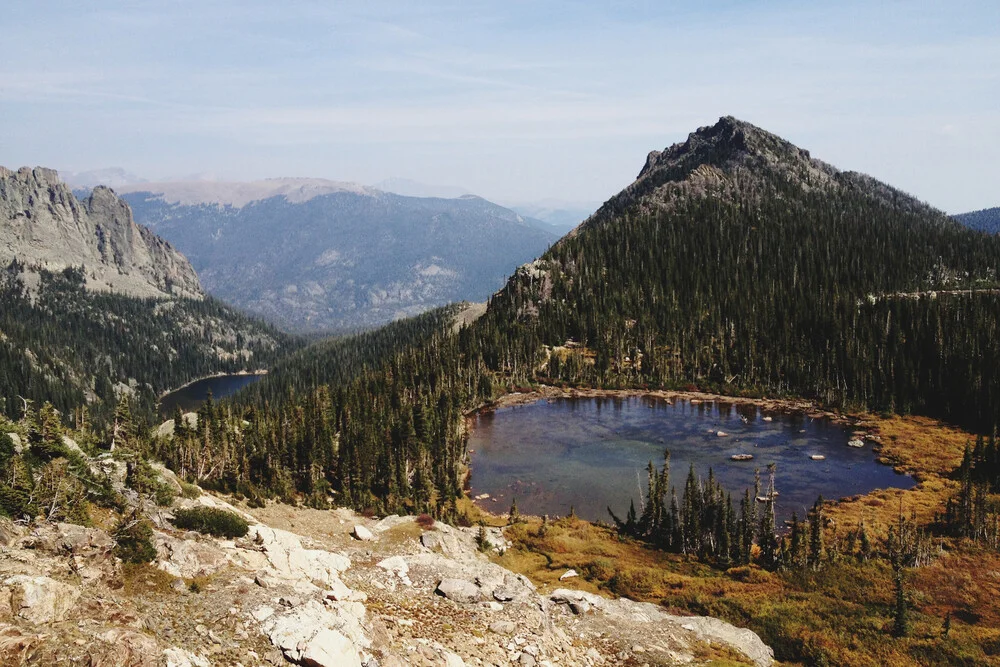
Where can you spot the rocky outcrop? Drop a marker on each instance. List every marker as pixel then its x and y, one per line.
pixel 308 635
pixel 650 626
pixel 39 600
pixel 319 598
pixel 44 226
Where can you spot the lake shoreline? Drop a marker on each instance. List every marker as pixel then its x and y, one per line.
pixel 208 377
pixel 857 426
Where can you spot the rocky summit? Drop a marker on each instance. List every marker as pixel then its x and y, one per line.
pixel 324 589
pixel 43 226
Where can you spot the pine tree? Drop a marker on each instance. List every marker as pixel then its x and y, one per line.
pixel 816 551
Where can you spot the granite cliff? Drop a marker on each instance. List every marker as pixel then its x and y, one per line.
pixel 44 226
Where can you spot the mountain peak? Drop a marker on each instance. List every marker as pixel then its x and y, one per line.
pixel 728 140
pixel 44 226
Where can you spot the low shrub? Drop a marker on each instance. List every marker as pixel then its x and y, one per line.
pixel 190 491
pixel 425 521
pixel 211 521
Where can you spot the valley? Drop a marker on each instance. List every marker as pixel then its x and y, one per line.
pixel 720 306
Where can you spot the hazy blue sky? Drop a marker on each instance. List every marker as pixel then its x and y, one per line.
pixel 512 100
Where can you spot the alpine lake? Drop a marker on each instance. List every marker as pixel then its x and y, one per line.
pixel 558 455
pixel 191 396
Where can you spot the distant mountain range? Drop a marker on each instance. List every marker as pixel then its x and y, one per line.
pixel 562 216
pixel 986 220
pixel 318 255
pixel 559 216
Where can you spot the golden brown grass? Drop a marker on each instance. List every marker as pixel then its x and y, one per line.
pixel 840 615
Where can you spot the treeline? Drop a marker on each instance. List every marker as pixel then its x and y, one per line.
pixel 974 512
pixel 72 347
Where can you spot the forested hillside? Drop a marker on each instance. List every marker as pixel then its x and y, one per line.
pixel 735 263
pixel 94 307
pixel 986 220
pixel 78 348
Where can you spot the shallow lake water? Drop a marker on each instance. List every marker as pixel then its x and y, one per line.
pixel 192 396
pixel 589 453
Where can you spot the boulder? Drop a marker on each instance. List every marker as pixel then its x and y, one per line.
pixel 568 574
pixel 71 444
pixel 188 558
pixel 362 533
pixel 503 627
pixel 458 590
pixel 290 560
pixel 40 599
pixel 430 540
pixel 15 440
pixel 308 635
pixel 398 566
pixel 79 540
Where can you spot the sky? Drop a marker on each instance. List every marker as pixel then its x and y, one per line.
pixel 517 101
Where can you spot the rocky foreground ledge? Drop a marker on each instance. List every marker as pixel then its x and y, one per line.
pixel 342 591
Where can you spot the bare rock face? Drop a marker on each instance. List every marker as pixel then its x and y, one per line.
pixel 664 634
pixel 308 636
pixel 44 226
pixel 320 598
pixel 39 600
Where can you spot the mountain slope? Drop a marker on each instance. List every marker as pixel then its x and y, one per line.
pixel 44 226
pixel 986 220
pixel 736 261
pixel 93 306
pixel 323 260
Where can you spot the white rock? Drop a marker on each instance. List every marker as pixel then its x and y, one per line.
pixel 397 565
pixel 188 558
pixel 71 445
pixel 178 657
pixel 16 441
pixel 40 599
pixel 329 648
pixel 362 533
pixel 290 560
pixel 452 660
pixel 311 635
pixel 339 592
pixel 458 590
pixel 568 574
pixel 262 613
